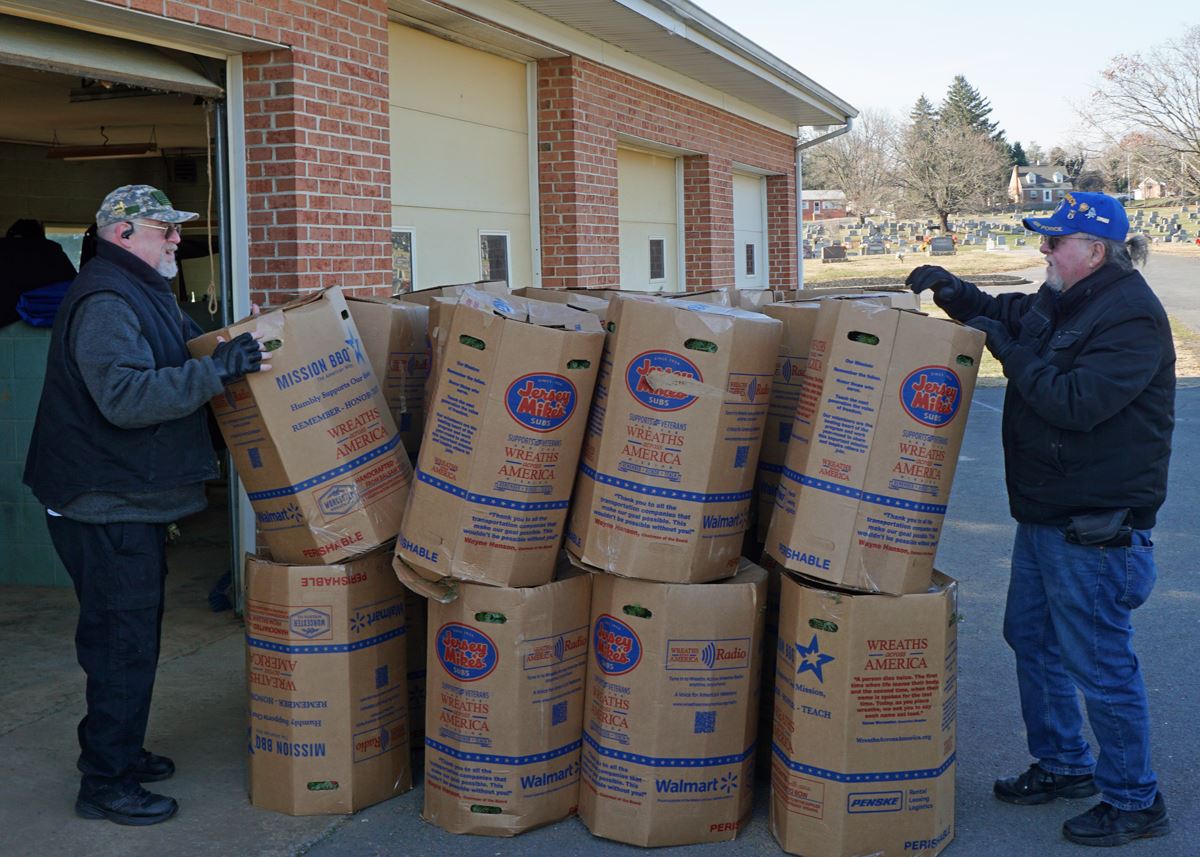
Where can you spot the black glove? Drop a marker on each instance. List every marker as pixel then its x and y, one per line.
pixel 999 340
pixel 237 357
pixel 946 287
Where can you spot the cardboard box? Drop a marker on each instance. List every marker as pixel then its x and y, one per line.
pixel 499 288
pixel 799 320
pixel 874 445
pixel 864 738
pixel 899 297
pixel 327 685
pixel 501 445
pixel 667 473
pixel 416 610
pixel 578 298
pixel 505 706
pixel 668 740
pixel 312 439
pixel 396 336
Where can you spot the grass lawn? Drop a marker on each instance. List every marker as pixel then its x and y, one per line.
pixel 966 262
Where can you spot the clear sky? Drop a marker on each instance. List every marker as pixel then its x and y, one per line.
pixel 1030 60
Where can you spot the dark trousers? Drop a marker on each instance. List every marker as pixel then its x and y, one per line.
pixel 119 571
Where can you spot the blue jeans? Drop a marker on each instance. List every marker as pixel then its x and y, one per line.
pixel 1068 622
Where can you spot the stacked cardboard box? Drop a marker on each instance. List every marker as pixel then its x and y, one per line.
pixel 396 336
pixel 864 736
pixel 313 439
pixel 315 444
pixel 873 446
pixel 328 688
pixel 660 511
pixel 506 660
pixel 672 444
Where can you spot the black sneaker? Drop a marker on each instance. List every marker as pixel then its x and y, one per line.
pixel 149 767
pixel 1104 824
pixel 1038 785
pixel 124 802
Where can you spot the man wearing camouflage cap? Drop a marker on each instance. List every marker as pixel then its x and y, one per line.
pixel 1088 416
pixel 121 448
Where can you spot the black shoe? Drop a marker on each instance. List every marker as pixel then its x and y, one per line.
pixel 149 767
pixel 125 802
pixel 1038 785
pixel 1104 824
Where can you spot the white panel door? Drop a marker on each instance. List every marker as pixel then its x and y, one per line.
pixel 647 211
pixel 460 160
pixel 749 231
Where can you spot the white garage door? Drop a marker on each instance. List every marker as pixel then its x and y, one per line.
pixel 460 163
pixel 749 231
pixel 648 212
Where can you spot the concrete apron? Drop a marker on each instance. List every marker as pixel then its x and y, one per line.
pixel 198 719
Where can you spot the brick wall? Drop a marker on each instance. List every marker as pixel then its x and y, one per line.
pixel 583 109
pixel 318 163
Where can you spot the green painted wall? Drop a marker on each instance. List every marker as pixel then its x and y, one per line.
pixel 29 557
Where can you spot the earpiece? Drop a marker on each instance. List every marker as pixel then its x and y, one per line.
pixel 128 233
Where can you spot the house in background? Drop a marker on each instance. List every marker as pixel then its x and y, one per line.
pixel 822 204
pixel 1038 186
pixel 1149 189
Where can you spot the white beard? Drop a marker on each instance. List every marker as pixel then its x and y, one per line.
pixel 1053 280
pixel 168 267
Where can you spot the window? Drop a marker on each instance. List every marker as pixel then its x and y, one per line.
pixel 817 205
pixel 493 256
pixel 1047 196
pixel 750 271
pixel 402 260
pixel 658 259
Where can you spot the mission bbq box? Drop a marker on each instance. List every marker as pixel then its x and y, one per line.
pixel 327 682
pixel 874 445
pixel 505 705
pixel 864 735
pixel 672 708
pixel 498 460
pixel 312 439
pixel 667 472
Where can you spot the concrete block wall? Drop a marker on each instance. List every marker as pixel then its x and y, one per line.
pixel 584 109
pixel 29 557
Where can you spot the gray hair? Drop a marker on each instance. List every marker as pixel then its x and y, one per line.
pixel 1127 254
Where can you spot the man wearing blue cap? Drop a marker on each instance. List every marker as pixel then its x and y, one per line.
pixel 1088 414
pixel 120 448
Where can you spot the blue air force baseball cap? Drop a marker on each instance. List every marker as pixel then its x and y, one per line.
pixel 1094 213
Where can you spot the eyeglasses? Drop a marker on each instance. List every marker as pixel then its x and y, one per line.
pixel 1052 240
pixel 171 229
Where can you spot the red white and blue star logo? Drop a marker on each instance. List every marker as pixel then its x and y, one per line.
pixel 812 659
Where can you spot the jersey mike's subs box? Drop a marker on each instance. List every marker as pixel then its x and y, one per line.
pixel 504 705
pixel 312 439
pixel 327 685
pixel 498 460
pixel 863 751
pixel 396 336
pixel 667 473
pixel 873 447
pixel 672 708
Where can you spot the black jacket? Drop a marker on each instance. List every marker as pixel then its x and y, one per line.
pixel 75 448
pixel 1090 403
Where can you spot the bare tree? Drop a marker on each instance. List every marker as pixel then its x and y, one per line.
pixel 946 168
pixel 856 162
pixel 1156 94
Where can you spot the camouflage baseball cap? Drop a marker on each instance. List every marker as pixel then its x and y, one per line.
pixel 133 201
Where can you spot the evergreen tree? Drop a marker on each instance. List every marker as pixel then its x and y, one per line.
pixel 964 106
pixel 923 113
pixel 1018 158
